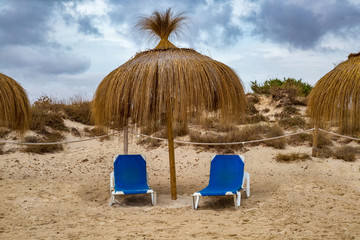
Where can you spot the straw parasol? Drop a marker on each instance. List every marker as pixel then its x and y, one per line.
pixel 336 97
pixel 14 104
pixel 176 82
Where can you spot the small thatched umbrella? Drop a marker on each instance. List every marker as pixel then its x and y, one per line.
pixel 178 82
pixel 336 96
pixel 14 104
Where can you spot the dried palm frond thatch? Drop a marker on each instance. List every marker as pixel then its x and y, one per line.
pixel 176 82
pixel 145 86
pixel 14 104
pixel 336 96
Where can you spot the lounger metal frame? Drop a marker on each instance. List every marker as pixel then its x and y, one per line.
pixel 114 193
pixel 237 196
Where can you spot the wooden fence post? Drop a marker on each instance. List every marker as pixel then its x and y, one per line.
pixel 315 150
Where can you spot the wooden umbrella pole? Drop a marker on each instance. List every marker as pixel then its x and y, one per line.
pixel 126 137
pixel 315 151
pixel 170 135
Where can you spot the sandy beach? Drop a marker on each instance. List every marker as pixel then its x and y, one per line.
pixel 65 196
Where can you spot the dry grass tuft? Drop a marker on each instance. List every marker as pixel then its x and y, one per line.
pixel 1 149
pixel 4 132
pixel 323 140
pixel 95 131
pixel 292 157
pixel 42 149
pixel 275 131
pixel 78 109
pixel 346 153
pixel 149 142
pixel 299 139
pixel 247 133
pixel 292 122
pixel 232 136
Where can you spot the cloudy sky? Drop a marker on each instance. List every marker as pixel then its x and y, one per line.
pixel 64 48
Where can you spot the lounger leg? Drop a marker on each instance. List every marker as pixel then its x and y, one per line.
pixel 238 198
pixel 153 198
pixel 197 201
pixel 112 200
pixel 247 185
pixel 235 201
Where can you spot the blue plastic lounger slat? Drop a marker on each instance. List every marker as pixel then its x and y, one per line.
pixel 227 177
pixel 130 177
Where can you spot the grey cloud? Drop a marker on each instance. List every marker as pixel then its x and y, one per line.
pixel 303 25
pixel 86 26
pixel 46 61
pixel 24 22
pixel 25 38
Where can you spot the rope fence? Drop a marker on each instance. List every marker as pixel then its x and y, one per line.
pixel 181 142
pixel 339 135
pixel 63 142
pixel 227 143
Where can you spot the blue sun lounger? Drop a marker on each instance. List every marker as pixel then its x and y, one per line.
pixel 227 177
pixel 130 177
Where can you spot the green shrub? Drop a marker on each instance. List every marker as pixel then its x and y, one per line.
pixel 272 84
pixel 46 112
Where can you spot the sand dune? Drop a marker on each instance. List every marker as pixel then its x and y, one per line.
pixel 65 196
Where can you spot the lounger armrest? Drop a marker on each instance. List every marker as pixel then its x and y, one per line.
pixel 247 178
pixel 112 182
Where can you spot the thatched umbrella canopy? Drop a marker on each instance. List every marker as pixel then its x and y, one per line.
pixel 336 96
pixel 14 104
pixel 178 82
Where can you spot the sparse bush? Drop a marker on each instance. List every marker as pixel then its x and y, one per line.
pixel 346 153
pixel 291 110
pixel 292 157
pixel 275 131
pixel 251 109
pixel 326 152
pixel 252 98
pixel 233 136
pixel 149 142
pixel 95 131
pixel 180 130
pixel 4 132
pixel 323 141
pixel 1 149
pixel 266 110
pixel 41 149
pixel 75 132
pixel 78 110
pixel 296 121
pixel 256 118
pixel 46 112
pixel 299 139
